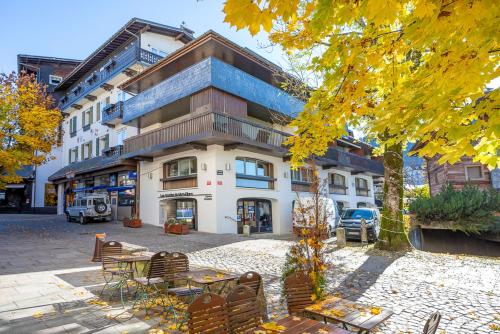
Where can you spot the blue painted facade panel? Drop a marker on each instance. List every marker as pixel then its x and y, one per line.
pixel 211 72
pixel 184 83
pixel 237 82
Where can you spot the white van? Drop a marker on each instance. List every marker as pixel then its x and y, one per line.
pixel 330 211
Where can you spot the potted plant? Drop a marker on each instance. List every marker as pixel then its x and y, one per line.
pixel 132 221
pixel 175 226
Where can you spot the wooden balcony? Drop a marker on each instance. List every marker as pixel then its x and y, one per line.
pixel 205 129
pixel 112 114
pixel 120 62
pixel 335 157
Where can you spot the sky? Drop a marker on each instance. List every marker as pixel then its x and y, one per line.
pixel 74 29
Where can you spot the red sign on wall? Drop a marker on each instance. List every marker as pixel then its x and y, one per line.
pixel 219 183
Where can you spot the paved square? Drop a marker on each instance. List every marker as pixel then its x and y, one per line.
pixel 47 279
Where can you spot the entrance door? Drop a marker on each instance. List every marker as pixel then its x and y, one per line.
pixel 256 213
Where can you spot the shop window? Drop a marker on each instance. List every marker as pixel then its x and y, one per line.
pixel 254 173
pixel 127 179
pixel 337 184
pixel 473 173
pixel 50 196
pixel 362 187
pixel 126 197
pixel 180 173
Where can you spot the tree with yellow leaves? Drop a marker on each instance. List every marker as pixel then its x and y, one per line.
pixel 28 125
pixel 409 70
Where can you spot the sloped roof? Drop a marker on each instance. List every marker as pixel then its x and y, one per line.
pixel 132 27
pixel 90 165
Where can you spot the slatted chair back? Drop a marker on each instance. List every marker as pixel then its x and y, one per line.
pixel 298 291
pixel 432 323
pixel 110 248
pixel 252 280
pixel 156 268
pixel 208 314
pixel 175 263
pixel 242 309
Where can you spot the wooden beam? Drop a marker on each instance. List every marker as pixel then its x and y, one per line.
pixel 143 158
pixel 76 106
pixel 107 87
pixel 91 97
pixel 179 36
pixel 130 72
pixel 200 147
pixel 230 147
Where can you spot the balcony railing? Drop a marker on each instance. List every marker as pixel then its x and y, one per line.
pixel 112 113
pixel 120 62
pixel 208 126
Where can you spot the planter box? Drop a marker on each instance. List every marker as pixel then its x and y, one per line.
pixel 133 223
pixel 176 228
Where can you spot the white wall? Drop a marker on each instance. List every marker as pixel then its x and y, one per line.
pixel 53 164
pixel 150 40
pixel 213 214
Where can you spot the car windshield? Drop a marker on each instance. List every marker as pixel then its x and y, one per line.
pixel 357 214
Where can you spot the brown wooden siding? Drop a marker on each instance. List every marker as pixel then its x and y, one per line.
pixel 214 100
pixel 191 182
pixel 440 174
pixel 301 187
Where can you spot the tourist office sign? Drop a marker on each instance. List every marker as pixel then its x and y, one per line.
pixel 206 197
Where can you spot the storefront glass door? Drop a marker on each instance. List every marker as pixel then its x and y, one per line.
pixel 256 213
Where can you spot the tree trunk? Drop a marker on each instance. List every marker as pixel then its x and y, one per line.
pixel 392 232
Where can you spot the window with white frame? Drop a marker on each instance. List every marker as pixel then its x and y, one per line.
pixel 87 150
pixel 362 187
pixel 54 79
pixel 87 118
pixel 337 184
pixel 254 173
pixel 73 155
pixel 473 173
pixel 72 126
pixel 101 143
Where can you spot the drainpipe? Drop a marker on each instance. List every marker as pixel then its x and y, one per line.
pixel 138 190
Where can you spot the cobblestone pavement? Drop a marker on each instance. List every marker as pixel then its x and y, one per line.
pixel 466 290
pixel 46 278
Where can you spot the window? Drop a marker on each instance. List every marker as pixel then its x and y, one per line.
pixel 87 118
pixel 121 136
pixel 101 143
pixel 254 173
pixel 72 127
pixel 337 184
pixel 73 154
pixel 185 167
pixel 87 150
pixel 54 80
pixel 362 205
pixel 302 175
pixel 473 173
pixel 362 187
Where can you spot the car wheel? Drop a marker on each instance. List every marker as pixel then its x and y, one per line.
pixel 82 219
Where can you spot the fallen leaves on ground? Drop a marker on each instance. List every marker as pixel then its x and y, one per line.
pixel 375 310
pixel 495 327
pixel 37 314
pixel 273 326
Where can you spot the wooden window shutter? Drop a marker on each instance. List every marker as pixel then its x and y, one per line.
pixel 90 149
pixel 91 115
pixel 83 151
pixel 76 153
pixel 98 111
pixel 106 141
pixel 97 153
pixel 69 156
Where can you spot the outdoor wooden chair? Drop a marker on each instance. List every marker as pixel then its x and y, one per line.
pixel 178 263
pixel 252 280
pixel 111 267
pixel 298 291
pixel 208 314
pixel 100 239
pixel 147 287
pixel 432 323
pixel 242 309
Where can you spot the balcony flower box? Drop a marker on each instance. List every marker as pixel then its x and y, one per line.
pixel 175 227
pixel 132 222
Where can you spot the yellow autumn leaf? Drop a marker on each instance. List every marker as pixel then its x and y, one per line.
pixel 273 326
pixel 37 314
pixel 375 310
pixel 494 327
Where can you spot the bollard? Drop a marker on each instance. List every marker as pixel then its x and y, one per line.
pixel 341 241
pixel 364 232
pixel 246 230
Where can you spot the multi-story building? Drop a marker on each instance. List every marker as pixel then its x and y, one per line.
pixel 92 105
pixel 209 152
pixel 35 191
